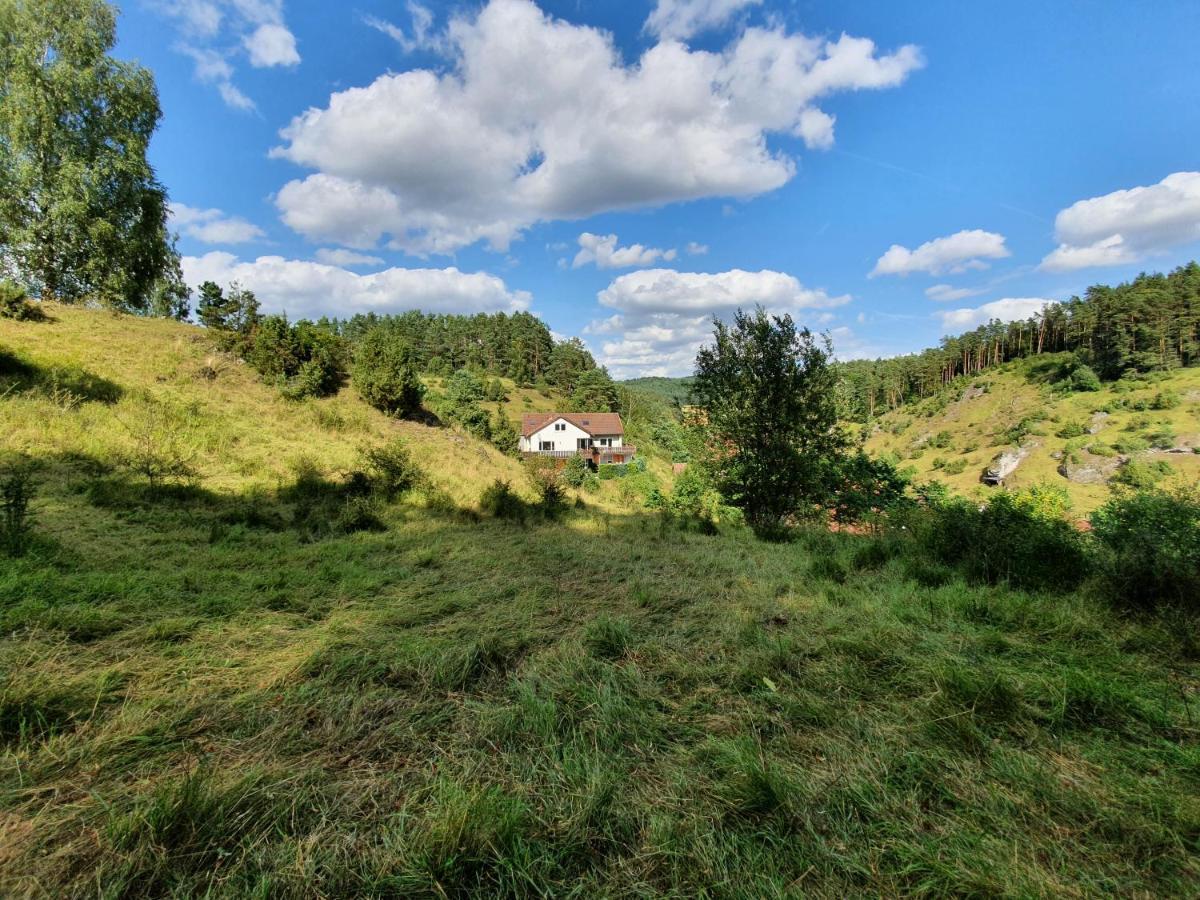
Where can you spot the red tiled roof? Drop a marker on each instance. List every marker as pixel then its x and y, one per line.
pixel 592 423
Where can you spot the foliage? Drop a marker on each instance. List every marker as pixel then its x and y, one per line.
pixel 575 472
pixel 14 302
pixel 500 501
pixel 863 486
pixel 159 444
pixel 1008 540
pixel 1046 502
pixel 391 470
pixel 1146 325
pixel 544 477
pixel 594 392
pixel 304 359
pixel 384 374
pixel 461 404
pixel 766 392
pixel 1142 474
pixel 16 522
pixel 82 212
pixel 504 435
pixel 1151 540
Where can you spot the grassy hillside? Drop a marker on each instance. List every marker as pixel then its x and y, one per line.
pixel 198 697
pixel 953 437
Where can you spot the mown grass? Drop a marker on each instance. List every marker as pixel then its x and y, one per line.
pixel 198 697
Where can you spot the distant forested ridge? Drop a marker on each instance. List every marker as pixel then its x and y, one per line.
pixel 1151 323
pixel 670 389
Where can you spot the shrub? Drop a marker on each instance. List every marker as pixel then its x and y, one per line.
pixel 1165 400
pixel 391 470
pixel 1003 541
pixel 159 446
pixel 504 435
pixel 1101 450
pixel 543 474
pixel 499 500
pixel 385 374
pixel 955 467
pixel 16 523
pixel 1131 444
pixel 1142 475
pixel 862 485
pixel 1072 430
pixel 941 440
pixel 575 472
pixel 1083 378
pixel 14 304
pixel 358 514
pixel 1162 439
pixel 1151 547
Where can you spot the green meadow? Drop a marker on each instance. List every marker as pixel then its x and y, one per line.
pixel 229 686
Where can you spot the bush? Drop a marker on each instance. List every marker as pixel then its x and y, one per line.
pixel 1151 547
pixel 1009 540
pixel 1142 475
pixel 1165 400
pixel 504 435
pixel 1072 430
pixel 575 472
pixel 14 304
pixel 385 374
pixel 543 474
pixel 862 485
pixel 1083 378
pixel 499 500
pixel 160 445
pixel 390 469
pixel 16 523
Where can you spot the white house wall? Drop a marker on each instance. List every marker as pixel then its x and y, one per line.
pixel 565 440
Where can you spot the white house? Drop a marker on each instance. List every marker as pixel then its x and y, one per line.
pixel 599 437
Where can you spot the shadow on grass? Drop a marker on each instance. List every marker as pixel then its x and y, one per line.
pixel 63 385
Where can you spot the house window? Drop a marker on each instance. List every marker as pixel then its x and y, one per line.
pixel 604 442
pixel 545 445
pixel 560 426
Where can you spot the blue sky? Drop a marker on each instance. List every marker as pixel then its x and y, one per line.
pixel 886 171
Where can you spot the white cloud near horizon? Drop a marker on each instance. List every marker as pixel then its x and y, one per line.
pixel 1010 309
pixel 955 253
pixel 603 252
pixel 433 161
pixel 340 256
pixel 212 226
pixel 947 293
pixel 661 317
pixel 214 33
pixel 305 289
pixel 1127 226
pixel 679 20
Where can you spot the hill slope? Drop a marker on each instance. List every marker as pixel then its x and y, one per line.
pixel 199 697
pixel 954 436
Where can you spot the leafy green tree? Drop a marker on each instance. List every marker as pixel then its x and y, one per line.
pixel 766 392
pixel 384 373
pixel 594 392
pixel 82 214
pixel 569 360
pixel 504 434
pixel 14 302
pixel 213 309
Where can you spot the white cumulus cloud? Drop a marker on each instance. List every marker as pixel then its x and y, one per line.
pixel 272 45
pixel 661 317
pixel 1010 309
pixel 1127 226
pixel 305 289
pixel 214 33
pixel 696 249
pixel 432 161
pixel 602 250
pixel 212 226
pixel 954 253
pixel 682 19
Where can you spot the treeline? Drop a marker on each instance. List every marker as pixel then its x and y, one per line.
pixel 385 356
pixel 1151 323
